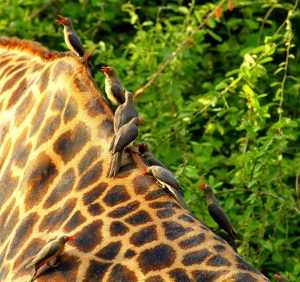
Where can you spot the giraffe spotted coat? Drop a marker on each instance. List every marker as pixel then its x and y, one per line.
pixel 55 132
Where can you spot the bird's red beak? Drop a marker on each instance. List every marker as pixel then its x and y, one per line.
pixel 145 172
pixel 62 19
pixel 139 144
pixel 141 121
pixel 71 238
pixel 203 185
pixel 105 69
pixel 277 276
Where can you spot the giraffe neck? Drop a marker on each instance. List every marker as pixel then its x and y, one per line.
pixel 55 132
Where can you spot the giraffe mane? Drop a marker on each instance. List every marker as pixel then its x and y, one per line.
pixel 36 49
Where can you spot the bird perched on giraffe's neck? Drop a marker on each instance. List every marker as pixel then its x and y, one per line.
pixel 124 137
pixel 217 213
pixel 124 114
pixel 71 37
pixel 113 86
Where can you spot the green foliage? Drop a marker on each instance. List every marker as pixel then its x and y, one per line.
pixel 226 110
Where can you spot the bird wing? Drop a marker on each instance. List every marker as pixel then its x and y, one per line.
pixel 112 143
pixel 118 91
pixel 126 134
pixel 220 217
pixel 153 161
pixel 167 177
pixel 46 252
pixel 130 112
pixel 118 117
pixel 177 196
pixel 76 43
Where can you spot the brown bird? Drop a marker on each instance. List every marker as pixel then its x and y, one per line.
pixel 216 211
pixel 49 253
pixel 148 157
pixel 281 278
pixel 71 37
pixel 113 86
pixel 167 180
pixel 124 113
pixel 123 138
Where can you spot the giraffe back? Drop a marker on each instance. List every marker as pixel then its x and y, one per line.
pixel 55 131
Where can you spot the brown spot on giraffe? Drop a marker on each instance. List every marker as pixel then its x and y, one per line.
pixel 39 177
pixel 22 234
pixel 156 258
pixel 71 142
pixel 74 221
pixel 53 181
pixel 122 273
pixel 89 237
pixel 24 108
pixel 57 217
pixel 71 111
pixel 62 189
pixel 91 176
pixel 110 251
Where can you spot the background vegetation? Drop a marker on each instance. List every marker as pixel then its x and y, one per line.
pixel 226 110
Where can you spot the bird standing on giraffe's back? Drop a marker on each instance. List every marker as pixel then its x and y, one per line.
pixel 49 253
pixel 168 181
pixel 72 39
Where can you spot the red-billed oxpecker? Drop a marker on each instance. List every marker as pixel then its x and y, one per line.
pixel 71 37
pixel 167 180
pixel 124 113
pixel 147 155
pixel 113 86
pixel 124 137
pixel 49 253
pixel 281 278
pixel 217 213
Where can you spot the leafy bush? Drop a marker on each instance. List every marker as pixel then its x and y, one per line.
pixel 226 109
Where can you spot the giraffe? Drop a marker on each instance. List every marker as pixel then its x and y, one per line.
pixel 55 132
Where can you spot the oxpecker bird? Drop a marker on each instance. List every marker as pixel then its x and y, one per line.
pixel 49 253
pixel 216 211
pixel 281 278
pixel 123 138
pixel 148 157
pixel 168 181
pixel 113 86
pixel 124 113
pixel 71 37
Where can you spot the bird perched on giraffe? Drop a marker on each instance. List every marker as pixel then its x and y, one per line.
pixel 217 213
pixel 124 113
pixel 72 39
pixel 49 253
pixel 113 86
pixel 281 278
pixel 150 160
pixel 123 139
pixel 167 180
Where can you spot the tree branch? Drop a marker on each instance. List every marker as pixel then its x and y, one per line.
pixel 140 91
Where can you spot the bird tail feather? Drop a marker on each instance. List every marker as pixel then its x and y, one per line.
pixel 115 164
